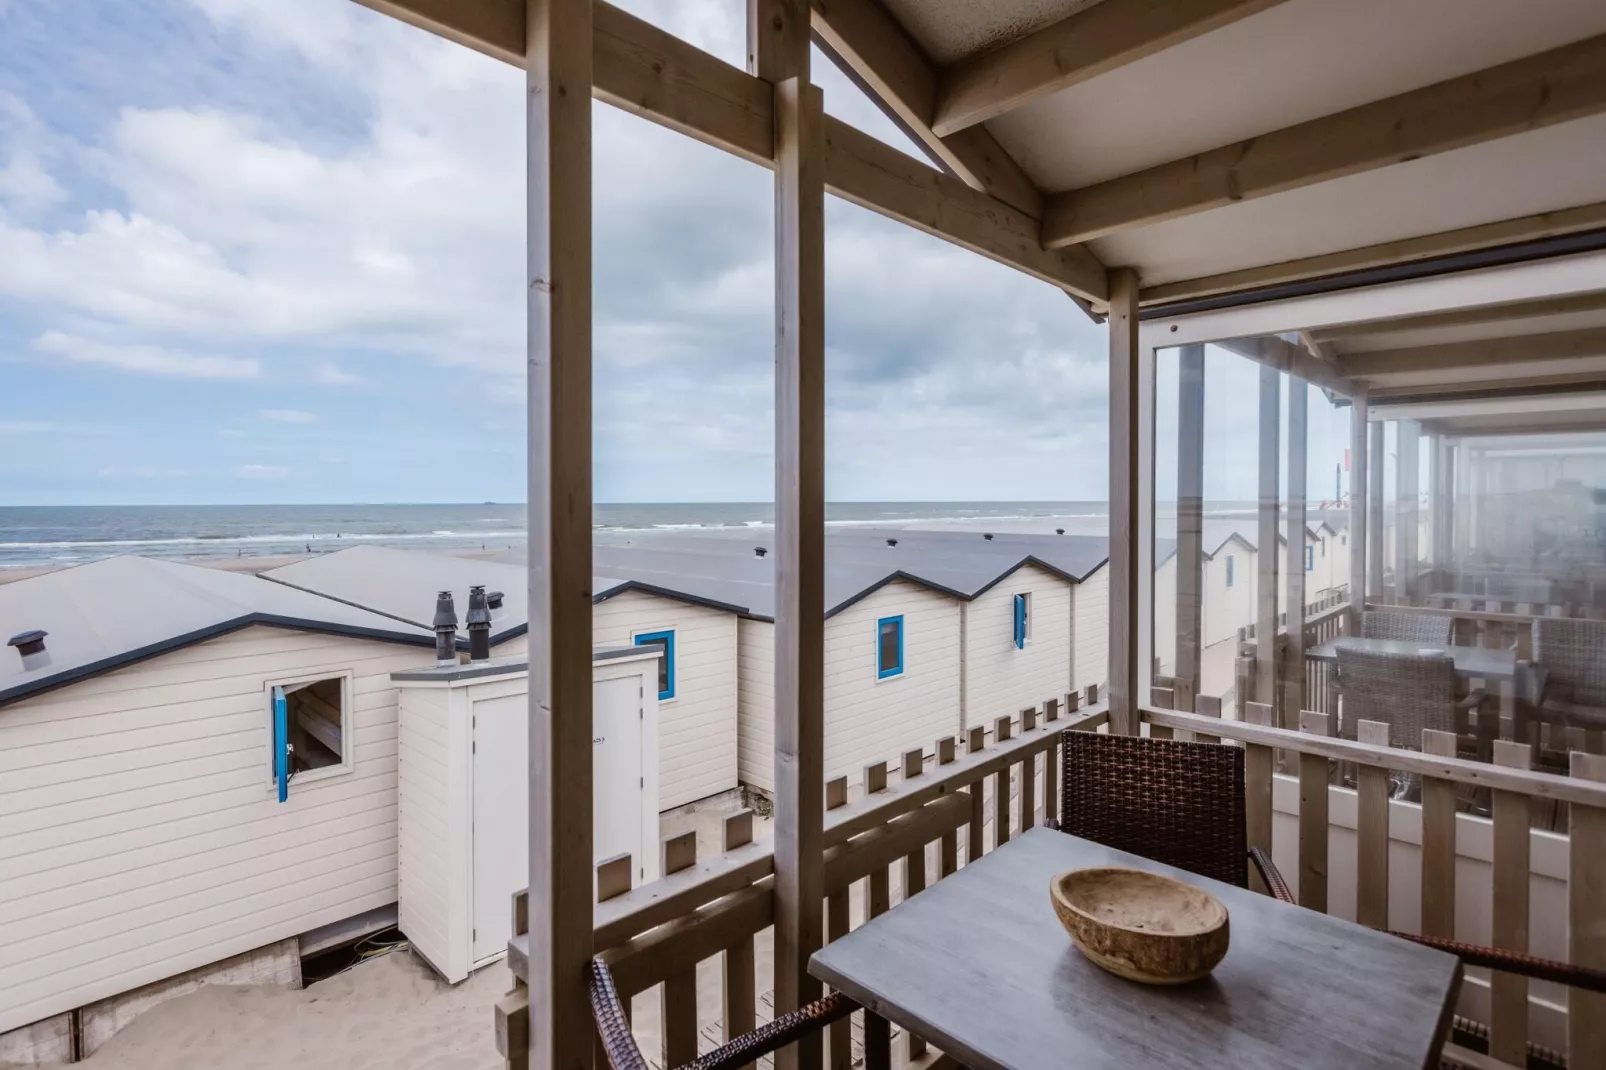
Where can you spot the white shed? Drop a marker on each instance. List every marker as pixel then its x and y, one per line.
pixel 462 813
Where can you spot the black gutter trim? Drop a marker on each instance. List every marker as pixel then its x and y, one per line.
pixel 1587 241
pixel 167 646
pixel 664 592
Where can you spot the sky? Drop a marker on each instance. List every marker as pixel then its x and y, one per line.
pixel 272 251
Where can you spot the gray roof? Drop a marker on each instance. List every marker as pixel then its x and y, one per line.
pixel 111 613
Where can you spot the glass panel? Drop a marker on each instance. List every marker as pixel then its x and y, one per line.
pixel 889 653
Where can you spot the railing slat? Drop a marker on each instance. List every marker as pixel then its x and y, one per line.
pixel 1372 833
pixel 839 1036
pixel 1257 784
pixel 1028 775
pixel 1313 818
pixel 1051 764
pixel 1438 842
pixel 1001 790
pixel 678 996
pixel 948 852
pixel 1207 706
pixel 1508 996
pixel 877 1030
pixel 1586 917
pixel 978 814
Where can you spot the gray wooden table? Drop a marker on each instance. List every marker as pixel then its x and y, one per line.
pixel 979 966
pixel 1470 661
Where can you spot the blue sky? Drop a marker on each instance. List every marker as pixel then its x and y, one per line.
pixel 272 251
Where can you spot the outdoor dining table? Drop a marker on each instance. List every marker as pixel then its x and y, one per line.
pixel 1470 661
pixel 979 966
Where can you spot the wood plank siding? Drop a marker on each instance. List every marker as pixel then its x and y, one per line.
pixel 1001 678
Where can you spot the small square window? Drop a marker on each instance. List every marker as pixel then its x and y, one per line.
pixel 1232 563
pixel 889 647
pixel 310 728
pixel 1023 620
pixel 1310 559
pixel 664 642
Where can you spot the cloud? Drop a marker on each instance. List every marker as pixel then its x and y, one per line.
pixel 288 416
pixel 146 359
pixel 262 471
pixel 327 374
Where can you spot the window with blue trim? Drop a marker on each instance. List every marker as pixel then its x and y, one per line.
pixel 888 647
pixel 1310 559
pixel 1023 620
pixel 665 644
pixel 1232 563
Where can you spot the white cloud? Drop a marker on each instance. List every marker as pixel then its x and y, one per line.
pixel 146 359
pixel 288 416
pixel 328 374
pixel 262 471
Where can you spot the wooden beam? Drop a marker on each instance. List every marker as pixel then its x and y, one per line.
pixel 1296 360
pixel 1503 387
pixel 1375 459
pixel 1266 570
pixel 1453 356
pixel 1407 440
pixel 1125 507
pixel 1358 501
pixel 658 76
pixel 1404 251
pixel 1293 683
pixel 1190 521
pixel 799 525
pixel 557 57
pixel 1527 94
pixel 1094 41
pixel 895 73
pixel 1465 317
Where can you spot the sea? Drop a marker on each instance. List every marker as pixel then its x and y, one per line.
pixel 45 536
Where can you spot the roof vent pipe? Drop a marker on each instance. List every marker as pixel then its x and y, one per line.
pixel 494 601
pixel 759 551
pixel 987 535
pixel 479 625
pixel 1059 531
pixel 892 542
pixel 445 629
pixel 31 645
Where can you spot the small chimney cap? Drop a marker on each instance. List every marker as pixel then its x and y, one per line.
pixel 445 612
pixel 759 551
pixel 987 535
pixel 29 642
pixel 1059 531
pixel 892 542
pixel 494 599
pixel 478 612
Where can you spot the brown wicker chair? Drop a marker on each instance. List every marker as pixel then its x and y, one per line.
pixel 1407 627
pixel 623 1053
pixel 1569 671
pixel 1178 803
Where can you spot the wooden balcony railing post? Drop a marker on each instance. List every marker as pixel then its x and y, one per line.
pixel 739 965
pixel 1207 706
pixel 1313 818
pixel 948 852
pixel 914 881
pixel 978 814
pixel 1372 833
pixel 1051 764
pixel 1001 790
pixel 839 1039
pixel 1438 842
pixel 1258 762
pixel 678 995
pixel 1508 996
pixel 1586 915
pixel 1028 775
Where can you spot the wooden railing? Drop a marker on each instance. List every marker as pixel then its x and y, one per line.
pixel 1513 787
pixel 657 934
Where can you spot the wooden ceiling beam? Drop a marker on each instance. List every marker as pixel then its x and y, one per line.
pixel 1552 87
pixel 656 75
pixel 1453 356
pixel 1384 395
pixel 1296 360
pixel 1405 251
pixel 1464 317
pixel 896 74
pixel 1085 45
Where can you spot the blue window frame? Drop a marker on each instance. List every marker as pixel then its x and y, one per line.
pixel 1023 620
pixel 888 647
pixel 1231 566
pixel 665 642
pixel 1310 559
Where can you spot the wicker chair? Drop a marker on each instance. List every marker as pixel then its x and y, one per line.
pixel 1178 803
pixel 1406 627
pixel 623 1054
pixel 1569 671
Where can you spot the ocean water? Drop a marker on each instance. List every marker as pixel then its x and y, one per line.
pixel 33 536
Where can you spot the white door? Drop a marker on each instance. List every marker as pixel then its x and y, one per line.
pixel 501 798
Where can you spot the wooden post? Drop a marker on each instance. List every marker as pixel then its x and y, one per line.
pixel 1586 917
pixel 1051 764
pixel 1358 490
pixel 779 36
pixel 839 1041
pixel 1508 993
pixel 1001 790
pixel 948 851
pixel 1028 774
pixel 1268 534
pixel 1313 818
pixel 1258 762
pixel 1372 833
pixel 1374 512
pixel 1190 522
pixel 1125 522
pixel 678 994
pixel 1293 673
pixel 1438 842
pixel 974 839
pixel 740 981
pixel 558 387
pixel 1406 436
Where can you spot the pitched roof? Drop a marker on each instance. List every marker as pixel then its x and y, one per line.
pixel 110 613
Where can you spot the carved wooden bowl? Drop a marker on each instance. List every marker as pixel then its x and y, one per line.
pixel 1142 926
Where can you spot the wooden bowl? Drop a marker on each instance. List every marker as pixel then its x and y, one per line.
pixel 1142 926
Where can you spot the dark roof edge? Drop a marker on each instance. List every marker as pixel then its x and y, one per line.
pixel 679 596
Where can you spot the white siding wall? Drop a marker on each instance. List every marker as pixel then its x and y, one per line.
pixel 1092 629
pixel 140 833
pixel 1001 679
pixel 755 702
pixel 425 861
pixel 696 728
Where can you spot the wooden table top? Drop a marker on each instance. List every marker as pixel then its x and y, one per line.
pixel 1469 660
pixel 978 965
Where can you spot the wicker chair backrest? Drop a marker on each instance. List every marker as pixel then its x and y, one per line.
pixel 1407 627
pixel 1407 692
pixel 1573 654
pixel 1178 803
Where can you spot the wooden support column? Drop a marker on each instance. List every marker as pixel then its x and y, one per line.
pixel 1266 550
pixel 1293 683
pixel 1358 493
pixel 1406 439
pixel 1190 523
pixel 1125 426
pixel 558 128
pixel 779 37
pixel 1374 512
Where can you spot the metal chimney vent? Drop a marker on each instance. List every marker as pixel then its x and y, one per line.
pixel 892 542
pixel 31 646
pixel 479 625
pixel 445 629
pixel 759 551
pixel 987 535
